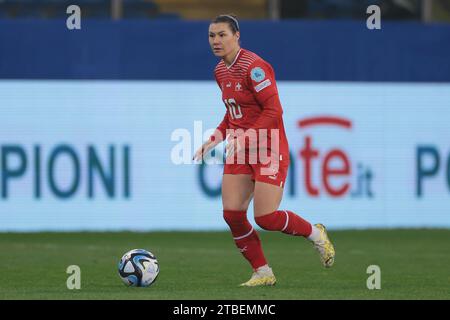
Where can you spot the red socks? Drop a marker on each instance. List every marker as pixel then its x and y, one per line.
pixel 245 237
pixel 286 222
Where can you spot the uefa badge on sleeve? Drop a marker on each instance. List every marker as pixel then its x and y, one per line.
pixel 257 74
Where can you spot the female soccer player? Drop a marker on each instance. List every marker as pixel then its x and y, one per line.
pixel 252 104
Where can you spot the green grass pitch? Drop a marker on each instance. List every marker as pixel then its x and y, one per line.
pixel 415 264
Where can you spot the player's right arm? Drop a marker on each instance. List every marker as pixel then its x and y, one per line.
pixel 217 137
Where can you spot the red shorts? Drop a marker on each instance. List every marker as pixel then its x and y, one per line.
pixel 261 172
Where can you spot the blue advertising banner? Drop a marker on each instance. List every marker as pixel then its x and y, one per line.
pixel 179 50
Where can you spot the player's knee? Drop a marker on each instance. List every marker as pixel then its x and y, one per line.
pixel 234 217
pixel 267 221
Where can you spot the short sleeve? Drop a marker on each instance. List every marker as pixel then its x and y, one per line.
pixel 261 79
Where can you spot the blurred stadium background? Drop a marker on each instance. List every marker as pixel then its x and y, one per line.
pixel 434 10
pixel 92 120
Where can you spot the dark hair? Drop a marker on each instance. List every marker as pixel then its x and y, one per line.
pixel 231 19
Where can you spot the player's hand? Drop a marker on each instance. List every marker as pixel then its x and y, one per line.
pixel 234 145
pixel 213 141
pixel 229 148
pixel 200 153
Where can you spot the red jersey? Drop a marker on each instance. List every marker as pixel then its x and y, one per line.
pixel 250 95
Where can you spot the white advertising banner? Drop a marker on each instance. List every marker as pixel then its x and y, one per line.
pixel 116 155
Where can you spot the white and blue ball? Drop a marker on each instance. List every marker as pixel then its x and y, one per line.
pixel 138 268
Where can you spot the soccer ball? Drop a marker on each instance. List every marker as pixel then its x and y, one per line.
pixel 138 268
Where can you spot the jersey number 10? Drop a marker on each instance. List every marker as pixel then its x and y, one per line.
pixel 235 109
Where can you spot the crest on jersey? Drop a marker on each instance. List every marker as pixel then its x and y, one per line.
pixel 257 74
